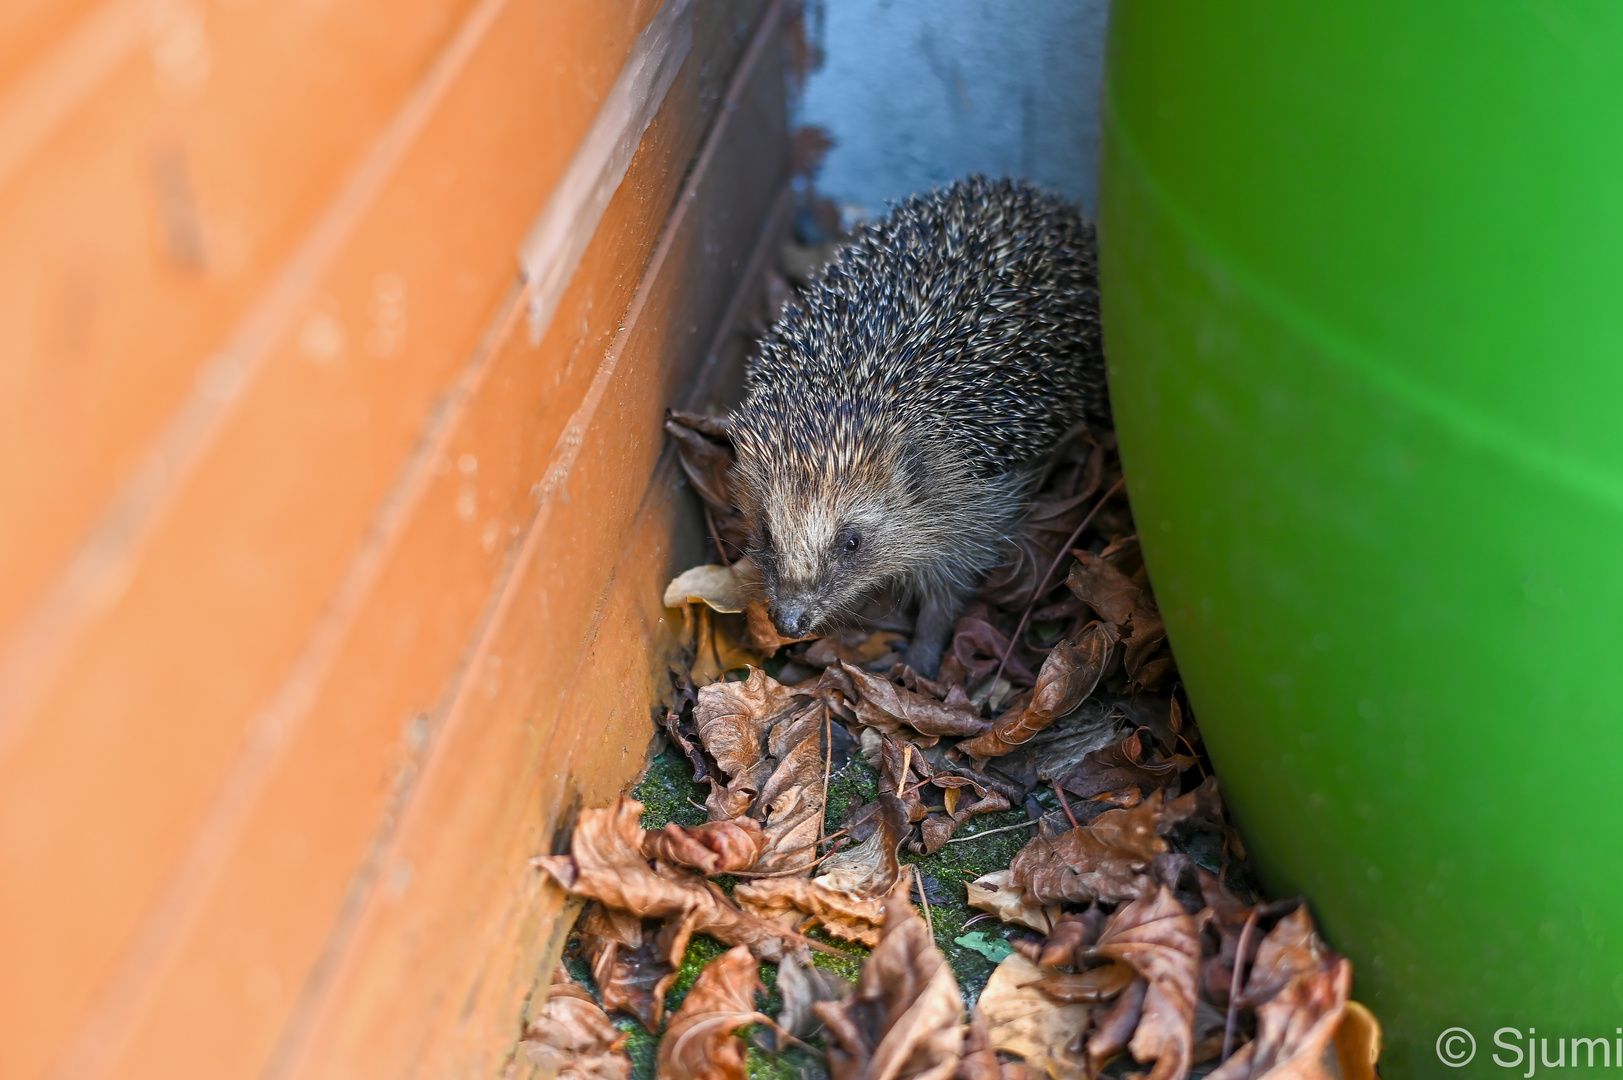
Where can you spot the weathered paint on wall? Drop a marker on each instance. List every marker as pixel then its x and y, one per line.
pixel 917 92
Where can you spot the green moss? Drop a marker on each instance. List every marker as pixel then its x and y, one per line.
pixel 640 1046
pixel 952 867
pixel 668 792
pixel 701 950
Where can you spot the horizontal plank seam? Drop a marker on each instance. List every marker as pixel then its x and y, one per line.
pixel 106 563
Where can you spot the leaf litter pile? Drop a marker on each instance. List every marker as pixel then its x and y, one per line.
pixel 838 867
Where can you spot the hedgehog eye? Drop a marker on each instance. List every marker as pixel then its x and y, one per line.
pixel 850 540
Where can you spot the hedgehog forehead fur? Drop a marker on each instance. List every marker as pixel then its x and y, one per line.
pixel 893 411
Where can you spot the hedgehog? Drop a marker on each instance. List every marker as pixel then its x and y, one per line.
pixel 896 415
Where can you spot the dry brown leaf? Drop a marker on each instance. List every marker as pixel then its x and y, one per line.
pixel 999 894
pixel 1297 1031
pixel 712 848
pixel 1125 764
pixel 1115 1028
pixel 977 649
pixel 708 464
pixel 870 868
pixel 783 900
pixel 571 1036
pixel 1069 674
pixel 884 705
pixel 631 965
pixel 1291 950
pixel 732 720
pixel 1028 1023
pixel 1162 942
pixel 1105 589
pixel 902 1021
pixel 761 633
pixel 767 739
pixel 979 1061
pixel 713 637
pixel 718 587
pixel 1094 985
pixel 699 1044
pixel 1103 860
pixel 1307 1027
pixel 606 864
pixel 1073 933
pixel 792 797
pixel 1358 1043
pixel 801 986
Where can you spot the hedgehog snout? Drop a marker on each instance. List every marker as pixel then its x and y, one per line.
pixel 793 616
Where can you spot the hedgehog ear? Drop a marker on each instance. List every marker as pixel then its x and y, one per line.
pixel 913 467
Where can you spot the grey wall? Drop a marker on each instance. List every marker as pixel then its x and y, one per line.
pixel 917 92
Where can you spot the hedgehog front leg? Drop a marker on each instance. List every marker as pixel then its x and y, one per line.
pixel 938 611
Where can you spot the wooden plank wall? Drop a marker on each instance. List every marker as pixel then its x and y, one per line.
pixel 324 591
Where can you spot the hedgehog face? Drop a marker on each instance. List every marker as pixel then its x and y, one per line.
pixel 823 548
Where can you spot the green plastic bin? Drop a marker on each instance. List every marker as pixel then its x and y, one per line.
pixel 1363 289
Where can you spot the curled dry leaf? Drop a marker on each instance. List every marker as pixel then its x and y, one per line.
pixel 767 739
pixel 1358 1043
pixel 871 868
pixel 977 649
pixel 1103 860
pixel 1030 1024
pixel 1105 589
pixel 1307 1028
pixel 1291 951
pixel 731 720
pixel 712 848
pixel 902 1021
pixel 571 1036
pixel 884 705
pixel 606 864
pixel 1069 674
pixel 782 901
pixel 699 1044
pixel 631 965
pixel 792 797
pixel 1126 764
pixel 1093 985
pixel 1162 943
pixel 1297 1033
pixel 718 587
pixel 708 464
pixel 802 986
pixel 1073 933
pixel 761 633
pixel 979 1061
pixel 1115 1028
pixel 1001 895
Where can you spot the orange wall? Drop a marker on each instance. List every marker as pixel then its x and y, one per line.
pixel 319 582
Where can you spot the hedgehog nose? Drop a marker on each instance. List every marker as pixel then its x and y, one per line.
pixel 793 619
